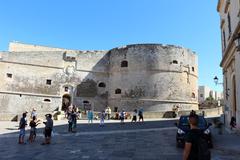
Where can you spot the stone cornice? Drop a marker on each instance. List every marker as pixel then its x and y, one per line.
pixel 219 5
pixel 29 64
pixel 229 46
pixel 30 94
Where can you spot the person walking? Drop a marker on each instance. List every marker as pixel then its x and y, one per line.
pixel 140 114
pixel 196 147
pixel 70 121
pixel 122 116
pixel 102 116
pixel 34 113
pixel 134 119
pixel 22 125
pixel 233 123
pixel 90 116
pixel 48 129
pixel 74 120
pixel 108 112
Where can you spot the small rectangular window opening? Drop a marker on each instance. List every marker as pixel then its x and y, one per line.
pixel 9 75
pixel 66 89
pixel 49 81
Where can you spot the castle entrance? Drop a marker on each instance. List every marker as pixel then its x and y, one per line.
pixel 66 101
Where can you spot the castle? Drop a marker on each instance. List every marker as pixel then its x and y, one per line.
pixel 154 77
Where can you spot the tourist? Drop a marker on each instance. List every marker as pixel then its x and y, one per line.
pixel 33 124
pixel 196 147
pixel 48 129
pixel 102 116
pixel 74 120
pixel 34 113
pixel 90 116
pixel 108 112
pixel 22 125
pixel 70 121
pixel 134 119
pixel 233 123
pixel 122 116
pixel 140 114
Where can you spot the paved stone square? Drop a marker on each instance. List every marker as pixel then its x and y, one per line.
pixel 148 140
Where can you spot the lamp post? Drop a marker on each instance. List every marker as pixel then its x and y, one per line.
pixel 216 80
pixel 217 83
pixel 237 41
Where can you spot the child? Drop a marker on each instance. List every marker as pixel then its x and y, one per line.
pixel 22 125
pixel 33 124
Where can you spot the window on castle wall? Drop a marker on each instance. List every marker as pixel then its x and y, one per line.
pixel 66 89
pixel 124 64
pixel 193 95
pixel 86 102
pixel 118 91
pixel 47 100
pixel 102 85
pixel 193 69
pixel 9 75
pixel 175 62
pixel 49 82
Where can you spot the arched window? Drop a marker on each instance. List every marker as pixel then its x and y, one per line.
pixel 175 62
pixel 124 64
pixel 118 91
pixel 85 101
pixel 103 85
pixel 193 95
pixel 47 100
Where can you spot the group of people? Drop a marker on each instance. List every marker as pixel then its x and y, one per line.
pixel 106 114
pixel 33 124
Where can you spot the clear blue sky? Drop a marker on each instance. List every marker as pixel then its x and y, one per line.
pixel 106 24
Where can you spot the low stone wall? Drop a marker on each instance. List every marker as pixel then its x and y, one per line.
pixel 16 117
pixel 147 115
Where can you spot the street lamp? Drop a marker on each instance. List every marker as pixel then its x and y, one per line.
pixel 237 41
pixel 216 80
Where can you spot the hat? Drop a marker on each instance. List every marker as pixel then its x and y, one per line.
pixel 34 109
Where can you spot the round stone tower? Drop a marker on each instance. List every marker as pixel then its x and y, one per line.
pixel 154 77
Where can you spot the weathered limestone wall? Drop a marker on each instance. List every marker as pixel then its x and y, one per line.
pixel 157 77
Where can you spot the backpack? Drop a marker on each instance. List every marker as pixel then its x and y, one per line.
pixel 203 151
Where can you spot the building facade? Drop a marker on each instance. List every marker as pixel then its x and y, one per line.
pixel 205 92
pixel 151 76
pixel 229 11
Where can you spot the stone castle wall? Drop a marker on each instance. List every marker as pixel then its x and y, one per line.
pixel 156 78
